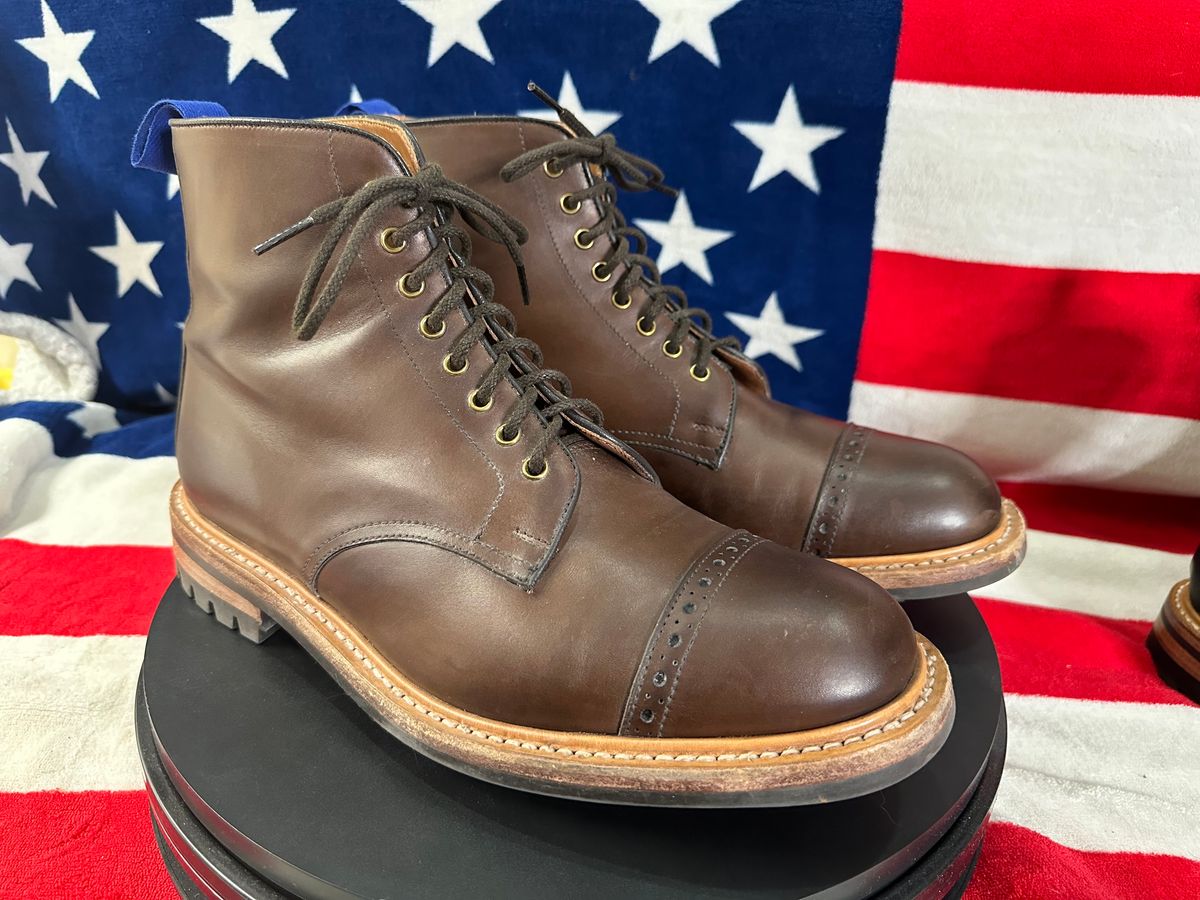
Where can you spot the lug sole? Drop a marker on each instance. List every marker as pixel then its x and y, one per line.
pixel 835 762
pixel 1174 641
pixel 950 570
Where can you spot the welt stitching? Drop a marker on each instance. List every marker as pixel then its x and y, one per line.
pixel 1009 528
pixel 542 205
pixel 1181 608
pixel 583 753
pixel 662 723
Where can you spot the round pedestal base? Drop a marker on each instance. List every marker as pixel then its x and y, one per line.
pixel 267 781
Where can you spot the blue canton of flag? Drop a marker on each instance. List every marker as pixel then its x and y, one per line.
pixel 773 134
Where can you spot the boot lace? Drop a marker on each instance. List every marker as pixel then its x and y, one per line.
pixel 629 245
pixel 436 198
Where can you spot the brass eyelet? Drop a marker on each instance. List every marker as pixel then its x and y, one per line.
pixel 678 349
pixel 446 365
pixel 646 331
pixel 598 268
pixel 698 376
pixel 616 301
pixel 532 476
pixel 402 287
pixel 564 202
pixel 386 242
pixel 476 406
pixel 591 241
pixel 425 330
pixel 506 443
pixel 552 168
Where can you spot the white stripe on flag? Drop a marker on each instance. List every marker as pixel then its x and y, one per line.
pixel 1119 581
pixel 24 445
pixel 1023 440
pixel 95 499
pixel 1034 178
pixel 1100 776
pixel 66 713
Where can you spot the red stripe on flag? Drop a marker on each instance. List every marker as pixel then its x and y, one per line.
pixel 1093 46
pixel 1056 653
pixel 1074 337
pixel 93 844
pixel 1123 517
pixel 1018 862
pixel 76 591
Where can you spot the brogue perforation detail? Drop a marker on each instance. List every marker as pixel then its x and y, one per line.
pixel 658 677
pixel 835 490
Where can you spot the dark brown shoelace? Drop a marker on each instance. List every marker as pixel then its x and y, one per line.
pixel 436 199
pixel 631 173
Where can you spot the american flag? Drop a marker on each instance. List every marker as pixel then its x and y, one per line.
pixel 1008 191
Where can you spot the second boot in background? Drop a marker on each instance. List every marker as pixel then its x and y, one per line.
pixel 919 518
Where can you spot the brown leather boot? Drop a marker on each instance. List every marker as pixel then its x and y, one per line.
pixel 387 474
pixel 919 518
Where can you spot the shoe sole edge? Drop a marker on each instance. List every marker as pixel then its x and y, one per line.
pixel 949 570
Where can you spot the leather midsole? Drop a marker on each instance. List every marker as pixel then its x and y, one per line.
pixel 1007 537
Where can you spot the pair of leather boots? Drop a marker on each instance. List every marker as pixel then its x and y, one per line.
pixel 683 601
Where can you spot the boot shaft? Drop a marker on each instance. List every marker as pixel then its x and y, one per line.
pixel 275 429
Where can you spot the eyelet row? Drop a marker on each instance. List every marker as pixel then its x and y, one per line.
pixel 602 273
pixel 472 398
pixel 387 240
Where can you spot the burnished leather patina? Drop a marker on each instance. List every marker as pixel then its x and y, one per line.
pixel 919 517
pixel 372 460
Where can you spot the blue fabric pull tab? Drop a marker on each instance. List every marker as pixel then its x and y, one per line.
pixel 152 143
pixel 372 107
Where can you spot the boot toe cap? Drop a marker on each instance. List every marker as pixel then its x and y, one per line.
pixel 790 643
pixel 908 496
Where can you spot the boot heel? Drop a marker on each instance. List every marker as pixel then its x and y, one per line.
pixel 232 611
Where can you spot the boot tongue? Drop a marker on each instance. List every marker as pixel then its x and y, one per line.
pixel 391 130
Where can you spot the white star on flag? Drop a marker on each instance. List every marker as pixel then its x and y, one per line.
pixel 682 240
pixel 249 32
pixel 14 266
pixel 595 120
pixel 95 418
pixel 132 259
pixel 172 185
pixel 686 22
pixel 355 95
pixel 87 333
pixel 27 164
pixel 787 144
pixel 454 23
pixel 60 51
pixel 770 333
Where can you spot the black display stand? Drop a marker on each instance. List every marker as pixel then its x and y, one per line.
pixel 266 781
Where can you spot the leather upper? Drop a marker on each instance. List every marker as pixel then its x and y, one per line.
pixel 353 461
pixel 722 446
